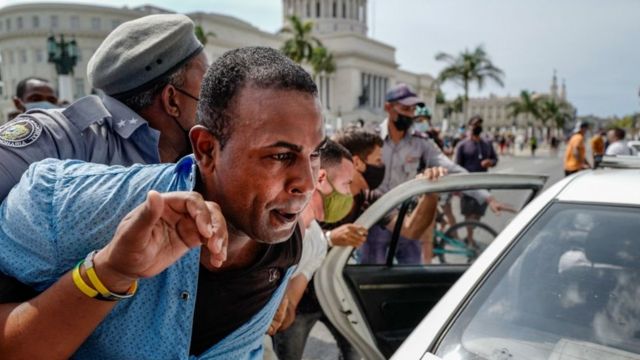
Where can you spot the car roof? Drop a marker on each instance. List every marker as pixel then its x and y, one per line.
pixel 607 186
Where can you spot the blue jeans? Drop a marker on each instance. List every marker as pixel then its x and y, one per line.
pixel 374 250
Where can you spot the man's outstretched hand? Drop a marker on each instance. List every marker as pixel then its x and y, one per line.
pixel 498 207
pixel 157 233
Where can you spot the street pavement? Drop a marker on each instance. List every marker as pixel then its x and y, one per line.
pixel 321 346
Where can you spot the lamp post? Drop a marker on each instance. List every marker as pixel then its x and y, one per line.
pixel 65 56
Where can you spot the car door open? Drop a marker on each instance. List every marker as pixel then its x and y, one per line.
pixel 376 295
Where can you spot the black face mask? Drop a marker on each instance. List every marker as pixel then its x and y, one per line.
pixel 185 133
pixel 477 130
pixel 373 175
pixel 403 122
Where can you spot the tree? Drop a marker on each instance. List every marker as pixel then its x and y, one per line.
pixel 558 112
pixel 322 61
pixel 467 68
pixel 454 106
pixel 528 104
pixel 303 47
pixel 201 35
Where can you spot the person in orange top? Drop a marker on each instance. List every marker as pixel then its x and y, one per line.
pixel 575 155
pixel 598 147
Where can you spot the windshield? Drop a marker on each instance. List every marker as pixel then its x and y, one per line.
pixel 568 289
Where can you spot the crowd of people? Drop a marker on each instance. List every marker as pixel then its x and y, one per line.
pixel 610 142
pixel 182 212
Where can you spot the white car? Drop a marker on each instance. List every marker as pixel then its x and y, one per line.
pixel 635 145
pixel 561 281
pixel 377 305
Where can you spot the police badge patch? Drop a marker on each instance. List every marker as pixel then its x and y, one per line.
pixel 20 133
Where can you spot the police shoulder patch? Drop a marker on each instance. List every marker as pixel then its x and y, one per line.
pixel 20 133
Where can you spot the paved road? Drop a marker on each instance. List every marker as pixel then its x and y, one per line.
pixel 321 346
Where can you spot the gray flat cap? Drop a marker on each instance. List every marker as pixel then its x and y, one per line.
pixel 140 51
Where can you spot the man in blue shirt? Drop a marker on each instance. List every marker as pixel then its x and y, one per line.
pixel 255 163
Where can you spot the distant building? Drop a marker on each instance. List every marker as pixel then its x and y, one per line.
pixel 495 113
pixel 365 68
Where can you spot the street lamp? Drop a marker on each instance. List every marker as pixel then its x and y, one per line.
pixel 65 56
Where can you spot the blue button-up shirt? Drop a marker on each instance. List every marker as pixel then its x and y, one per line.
pixel 61 210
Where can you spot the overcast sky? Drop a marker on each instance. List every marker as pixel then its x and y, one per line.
pixel 593 44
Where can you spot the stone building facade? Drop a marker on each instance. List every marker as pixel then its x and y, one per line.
pixel 365 68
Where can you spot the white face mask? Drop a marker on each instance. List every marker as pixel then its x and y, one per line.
pixel 40 105
pixel 421 126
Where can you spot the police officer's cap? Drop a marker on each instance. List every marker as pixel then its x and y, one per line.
pixel 140 51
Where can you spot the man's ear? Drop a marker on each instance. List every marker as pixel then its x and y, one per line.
pixel 170 102
pixel 19 105
pixel 358 164
pixel 322 184
pixel 388 107
pixel 206 147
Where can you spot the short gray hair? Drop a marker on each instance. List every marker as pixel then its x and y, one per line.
pixel 140 100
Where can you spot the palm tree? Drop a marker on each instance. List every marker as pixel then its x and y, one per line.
pixel 556 111
pixel 467 68
pixel 322 61
pixel 528 105
pixel 303 47
pixel 299 47
pixel 454 106
pixel 201 35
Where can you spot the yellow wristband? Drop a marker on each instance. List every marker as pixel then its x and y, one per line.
pixel 95 281
pixel 80 284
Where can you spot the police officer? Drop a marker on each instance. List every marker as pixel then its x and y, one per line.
pixel 406 154
pixel 149 70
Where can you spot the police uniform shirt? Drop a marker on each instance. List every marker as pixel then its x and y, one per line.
pixel 93 129
pixel 413 153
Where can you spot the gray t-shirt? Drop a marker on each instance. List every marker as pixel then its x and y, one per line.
pixel 93 129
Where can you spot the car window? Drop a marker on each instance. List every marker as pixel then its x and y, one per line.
pixel 568 289
pixel 444 228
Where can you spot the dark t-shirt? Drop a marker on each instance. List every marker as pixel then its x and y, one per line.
pixel 228 299
pixel 470 154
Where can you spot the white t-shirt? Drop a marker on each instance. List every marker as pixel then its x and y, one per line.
pixel 619 148
pixel 314 250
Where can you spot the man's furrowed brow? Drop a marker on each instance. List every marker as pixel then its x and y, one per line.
pixel 284 144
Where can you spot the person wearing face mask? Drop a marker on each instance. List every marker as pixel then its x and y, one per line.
pixel 149 71
pixel 331 201
pixel 475 154
pixel 34 93
pixel 422 127
pixel 370 171
pixel 406 155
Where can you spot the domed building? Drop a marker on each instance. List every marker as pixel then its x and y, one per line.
pixel 365 68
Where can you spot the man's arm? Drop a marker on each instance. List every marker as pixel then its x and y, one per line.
pixel 459 154
pixel 434 157
pixel 148 240
pixel 492 154
pixel 286 314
